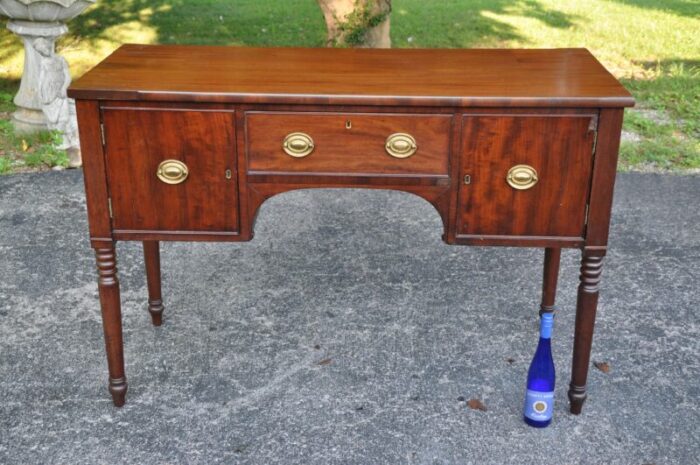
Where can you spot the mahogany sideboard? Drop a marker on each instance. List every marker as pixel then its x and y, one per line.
pixel 512 147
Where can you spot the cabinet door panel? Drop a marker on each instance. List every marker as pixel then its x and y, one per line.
pixel 557 147
pixel 138 140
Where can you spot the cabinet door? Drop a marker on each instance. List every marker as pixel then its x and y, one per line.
pixel 139 140
pixel 556 150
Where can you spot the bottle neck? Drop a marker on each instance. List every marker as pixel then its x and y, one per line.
pixel 546 324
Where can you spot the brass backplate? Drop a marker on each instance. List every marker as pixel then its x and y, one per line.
pixel 298 144
pixel 522 177
pixel 401 145
pixel 172 171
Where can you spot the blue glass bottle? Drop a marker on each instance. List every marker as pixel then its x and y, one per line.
pixel 539 399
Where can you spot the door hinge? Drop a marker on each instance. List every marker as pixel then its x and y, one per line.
pixel 595 141
pixel 467 179
pixel 585 219
pixel 109 206
pixel 102 134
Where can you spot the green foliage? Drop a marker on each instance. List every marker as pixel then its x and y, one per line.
pixel 6 104
pixel 669 153
pixel 354 29
pixel 644 126
pixel 203 22
pixel 672 141
pixel 5 165
pixel 7 135
pixel 675 88
pixel 20 151
pixel 45 153
pixel 36 151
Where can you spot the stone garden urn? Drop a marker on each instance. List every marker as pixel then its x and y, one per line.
pixel 41 101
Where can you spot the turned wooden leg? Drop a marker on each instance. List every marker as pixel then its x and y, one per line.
pixel 550 276
pixel 108 285
pixel 151 254
pixel 586 305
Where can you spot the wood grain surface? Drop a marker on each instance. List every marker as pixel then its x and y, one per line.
pixel 558 147
pixel 138 140
pixel 339 149
pixel 436 77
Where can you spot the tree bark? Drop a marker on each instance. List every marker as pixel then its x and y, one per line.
pixel 357 23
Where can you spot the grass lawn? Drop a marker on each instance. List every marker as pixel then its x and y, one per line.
pixel 652 45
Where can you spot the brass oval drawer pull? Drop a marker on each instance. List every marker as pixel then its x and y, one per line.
pixel 522 177
pixel 298 144
pixel 400 145
pixel 172 172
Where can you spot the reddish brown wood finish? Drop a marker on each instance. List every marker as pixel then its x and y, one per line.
pixel 550 276
pixel 94 172
pixel 151 256
pixel 603 182
pixel 479 77
pixel 338 149
pixel 110 303
pixel 137 140
pixel 600 207
pixel 558 147
pixel 586 306
pixel 473 112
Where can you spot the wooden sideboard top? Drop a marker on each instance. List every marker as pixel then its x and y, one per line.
pixel 433 77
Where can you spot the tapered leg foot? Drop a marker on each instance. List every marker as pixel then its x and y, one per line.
pixel 586 307
pixel 577 396
pixel 155 308
pixel 118 387
pixel 151 255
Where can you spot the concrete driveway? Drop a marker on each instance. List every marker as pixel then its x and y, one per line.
pixel 346 332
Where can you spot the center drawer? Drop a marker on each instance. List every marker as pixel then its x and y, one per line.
pixel 353 143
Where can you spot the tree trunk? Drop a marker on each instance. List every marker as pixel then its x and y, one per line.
pixel 357 23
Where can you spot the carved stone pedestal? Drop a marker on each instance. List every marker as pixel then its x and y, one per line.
pixel 42 102
pixel 29 116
